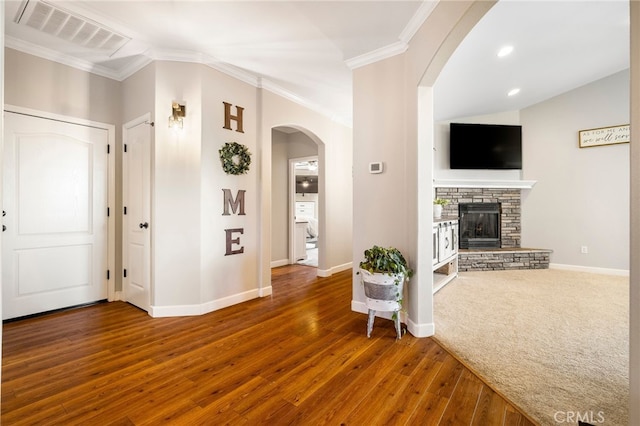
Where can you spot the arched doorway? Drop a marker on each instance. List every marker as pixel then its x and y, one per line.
pixel 292 144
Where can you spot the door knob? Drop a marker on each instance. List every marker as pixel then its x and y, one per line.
pixel 144 225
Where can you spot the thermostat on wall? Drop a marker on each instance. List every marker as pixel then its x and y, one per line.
pixel 375 167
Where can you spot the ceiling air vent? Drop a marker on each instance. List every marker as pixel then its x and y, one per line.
pixel 73 28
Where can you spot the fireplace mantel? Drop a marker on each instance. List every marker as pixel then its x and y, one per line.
pixel 483 183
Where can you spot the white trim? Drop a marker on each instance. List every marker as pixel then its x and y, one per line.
pixel 334 270
pixel 151 55
pixel 265 292
pixel 343 267
pixel 421 330
pixel 377 55
pixel 324 273
pixel 284 93
pixel 483 183
pixel 54 56
pixel 417 20
pixel 417 330
pixel 278 263
pixel 399 46
pixel 203 308
pixel 590 269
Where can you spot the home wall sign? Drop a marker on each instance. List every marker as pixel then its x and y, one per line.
pixel 604 136
pixel 236 160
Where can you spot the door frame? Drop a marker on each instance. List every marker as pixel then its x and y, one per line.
pixel 111 182
pixel 292 203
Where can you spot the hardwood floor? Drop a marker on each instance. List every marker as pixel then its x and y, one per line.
pixel 299 357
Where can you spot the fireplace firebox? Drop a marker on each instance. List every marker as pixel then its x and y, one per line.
pixel 479 225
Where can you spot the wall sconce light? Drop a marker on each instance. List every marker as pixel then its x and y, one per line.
pixel 176 119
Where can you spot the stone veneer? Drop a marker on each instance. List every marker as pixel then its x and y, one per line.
pixel 491 260
pixel 510 256
pixel 509 199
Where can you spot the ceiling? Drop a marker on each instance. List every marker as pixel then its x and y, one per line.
pixel 306 50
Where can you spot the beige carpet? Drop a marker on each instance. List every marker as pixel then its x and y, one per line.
pixel 554 342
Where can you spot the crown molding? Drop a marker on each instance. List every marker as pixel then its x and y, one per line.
pixel 51 55
pixel 417 20
pixel 402 44
pixel 377 55
pixel 280 91
pixel 151 55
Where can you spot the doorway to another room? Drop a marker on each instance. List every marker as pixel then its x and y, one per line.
pixel 297 198
pixel 304 193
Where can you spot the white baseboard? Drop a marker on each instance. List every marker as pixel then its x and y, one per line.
pixel 590 269
pixel 334 270
pixel 278 263
pixel 267 291
pixel 205 308
pixel 421 330
pixel 417 330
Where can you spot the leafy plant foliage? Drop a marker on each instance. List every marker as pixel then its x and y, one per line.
pixel 235 158
pixel 385 261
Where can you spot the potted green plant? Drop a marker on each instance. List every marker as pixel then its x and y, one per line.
pixel 438 204
pixel 384 272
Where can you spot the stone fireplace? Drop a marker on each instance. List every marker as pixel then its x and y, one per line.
pixel 498 211
pixel 508 200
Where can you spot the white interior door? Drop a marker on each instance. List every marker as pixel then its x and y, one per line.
pixel 55 195
pixel 136 223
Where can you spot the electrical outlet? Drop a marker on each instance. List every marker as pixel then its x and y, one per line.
pixel 584 249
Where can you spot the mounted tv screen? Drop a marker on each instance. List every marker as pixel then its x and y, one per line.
pixel 485 146
pixel 306 184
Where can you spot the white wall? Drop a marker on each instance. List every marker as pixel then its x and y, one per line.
pixel 1 156
pixel 43 85
pixel 634 299
pixel 393 123
pixel 279 197
pixel 334 142
pixel 581 197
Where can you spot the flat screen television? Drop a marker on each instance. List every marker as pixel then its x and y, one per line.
pixel 306 184
pixel 485 146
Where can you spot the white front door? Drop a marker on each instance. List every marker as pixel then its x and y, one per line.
pixel 137 214
pixel 55 194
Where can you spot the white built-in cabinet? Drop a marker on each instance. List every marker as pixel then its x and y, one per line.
pixel 305 209
pixel 445 252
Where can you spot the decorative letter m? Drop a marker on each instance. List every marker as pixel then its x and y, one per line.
pixel 230 202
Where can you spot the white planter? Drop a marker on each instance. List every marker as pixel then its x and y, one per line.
pixel 382 292
pixel 437 211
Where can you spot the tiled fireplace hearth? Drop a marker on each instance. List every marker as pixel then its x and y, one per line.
pixel 509 254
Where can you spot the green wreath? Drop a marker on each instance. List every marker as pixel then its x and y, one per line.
pixel 235 158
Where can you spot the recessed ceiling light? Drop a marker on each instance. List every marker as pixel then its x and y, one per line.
pixel 505 51
pixel 513 92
